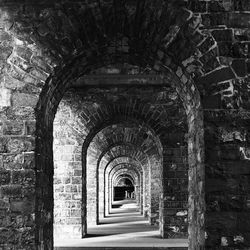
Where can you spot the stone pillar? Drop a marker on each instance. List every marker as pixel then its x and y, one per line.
pixel 155 190
pixel 196 177
pixel 227 160
pixel 174 199
pixel 91 186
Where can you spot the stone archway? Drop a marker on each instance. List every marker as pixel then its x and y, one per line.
pixel 194 127
pixel 54 63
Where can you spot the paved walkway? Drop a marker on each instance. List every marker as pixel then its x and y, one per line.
pixel 123 229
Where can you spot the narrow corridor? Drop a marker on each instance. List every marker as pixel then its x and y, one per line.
pixel 123 228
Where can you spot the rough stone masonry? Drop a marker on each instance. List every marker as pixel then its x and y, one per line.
pixel 199 47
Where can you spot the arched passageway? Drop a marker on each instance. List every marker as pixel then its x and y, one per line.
pixel 125 136
pixel 119 134
pixel 50 49
pixel 123 188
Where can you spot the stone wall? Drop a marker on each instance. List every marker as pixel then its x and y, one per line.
pixel 67 148
pixel 226 124
pixel 175 207
pixel 200 46
pixel 73 121
pixel 132 164
pixel 114 161
pixel 227 181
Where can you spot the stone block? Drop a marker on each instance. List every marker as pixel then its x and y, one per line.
pixel 6 235
pixel 217 184
pixel 212 102
pixel 210 20
pixel 20 113
pixel 210 63
pixel 18 145
pixel 219 75
pixel 223 35
pixel 76 196
pixel 40 62
pixel 241 5
pixel 12 83
pixel 11 191
pixel 30 127
pixel 22 206
pixel 38 74
pixel 23 177
pixel 24 99
pixel 64 196
pixel 5 177
pixel 23 52
pixel 3 143
pixel 75 213
pixel 5 97
pixel 76 180
pixel 66 180
pixel 225 49
pixel 66 157
pixel 19 63
pixel 78 157
pixel 240 67
pixel 248 66
pixel 215 6
pixel 12 161
pixel 13 127
pixel 58 188
pixel 230 152
pixel 29 160
pixel 77 172
pixel 198 6
pixel 240 50
pixel 206 44
pixel 68 188
pixel 5 52
pixel 238 20
pixel 222 222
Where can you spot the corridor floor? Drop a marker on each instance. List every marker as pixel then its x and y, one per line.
pixel 123 229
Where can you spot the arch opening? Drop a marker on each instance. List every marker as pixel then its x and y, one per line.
pixel 123 188
pixel 163 230
pixel 124 131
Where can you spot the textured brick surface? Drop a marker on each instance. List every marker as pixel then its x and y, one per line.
pixel 76 118
pixel 45 45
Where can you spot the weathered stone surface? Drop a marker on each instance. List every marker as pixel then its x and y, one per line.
pixel 239 67
pixel 5 97
pixel 45 39
pixel 5 177
pixel 13 128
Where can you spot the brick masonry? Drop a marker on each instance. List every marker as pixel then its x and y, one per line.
pixel 202 49
pixel 73 121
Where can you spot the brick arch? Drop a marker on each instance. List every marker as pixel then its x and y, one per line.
pixel 121 176
pixel 47 122
pixel 55 87
pixel 131 133
pixel 125 132
pixel 133 151
pixel 180 20
pixel 138 181
pixel 133 115
pixel 135 179
pixel 92 202
pixel 154 184
pixel 127 162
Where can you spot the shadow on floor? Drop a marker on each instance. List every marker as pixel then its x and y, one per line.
pixel 124 228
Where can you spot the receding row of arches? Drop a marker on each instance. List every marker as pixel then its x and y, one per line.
pixel 102 135
pixel 56 52
pixel 167 115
